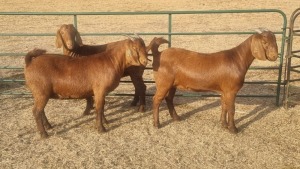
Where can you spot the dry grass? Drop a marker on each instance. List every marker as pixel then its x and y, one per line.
pixel 268 137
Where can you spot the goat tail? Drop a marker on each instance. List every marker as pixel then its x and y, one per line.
pixel 32 54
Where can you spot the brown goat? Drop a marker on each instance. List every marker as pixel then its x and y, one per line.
pixel 223 72
pixel 56 76
pixel 69 38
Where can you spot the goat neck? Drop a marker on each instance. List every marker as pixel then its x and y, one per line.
pixel 72 52
pixel 117 55
pixel 242 54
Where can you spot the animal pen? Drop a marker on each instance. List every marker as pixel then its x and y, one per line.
pixel 168 19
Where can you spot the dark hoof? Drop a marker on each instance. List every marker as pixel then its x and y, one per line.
pixel 233 129
pixel 44 135
pixel 224 125
pixel 101 130
pixel 133 103
pixel 48 127
pixel 157 125
pixel 105 121
pixel 142 108
pixel 86 113
pixel 176 118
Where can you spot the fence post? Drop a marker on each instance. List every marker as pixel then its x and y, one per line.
pixel 170 30
pixel 75 21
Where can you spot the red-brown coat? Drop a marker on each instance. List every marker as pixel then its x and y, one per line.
pixel 69 39
pixel 223 72
pixel 57 76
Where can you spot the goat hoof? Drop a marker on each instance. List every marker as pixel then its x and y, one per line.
pixel 105 121
pixel 48 127
pixel 156 125
pixel 101 130
pixel 44 135
pixel 86 113
pixel 176 118
pixel 233 129
pixel 133 103
pixel 224 125
pixel 142 108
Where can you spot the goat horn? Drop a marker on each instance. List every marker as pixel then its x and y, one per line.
pixel 130 37
pixel 137 35
pixel 258 30
pixel 265 29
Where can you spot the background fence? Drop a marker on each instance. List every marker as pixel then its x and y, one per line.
pixel 194 30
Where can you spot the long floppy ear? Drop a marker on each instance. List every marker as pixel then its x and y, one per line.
pixel 58 41
pixel 131 52
pixel 257 48
pixel 131 56
pixel 77 36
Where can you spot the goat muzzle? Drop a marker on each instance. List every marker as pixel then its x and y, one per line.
pixel 69 45
pixel 272 55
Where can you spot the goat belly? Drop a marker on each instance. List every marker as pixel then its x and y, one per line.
pixel 190 88
pixel 72 95
pixel 197 84
pixel 72 91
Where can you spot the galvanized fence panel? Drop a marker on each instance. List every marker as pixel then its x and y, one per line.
pixel 170 33
pixel 292 70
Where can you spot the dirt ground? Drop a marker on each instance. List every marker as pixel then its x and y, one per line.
pixel 268 135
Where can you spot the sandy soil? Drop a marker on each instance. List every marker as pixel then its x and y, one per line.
pixel 268 137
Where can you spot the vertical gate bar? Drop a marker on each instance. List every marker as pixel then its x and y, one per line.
pixel 170 30
pixel 288 66
pixel 75 21
pixel 280 66
pixel 289 56
pixel 281 58
pixel 287 85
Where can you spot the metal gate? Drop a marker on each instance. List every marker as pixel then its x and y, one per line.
pixel 170 32
pixel 292 71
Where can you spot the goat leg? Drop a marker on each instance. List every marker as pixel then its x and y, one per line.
pixel 170 104
pixel 46 123
pixel 229 101
pixel 156 113
pixel 142 95
pixel 157 99
pixel 231 126
pixel 135 100
pixel 224 113
pixel 104 120
pixel 100 101
pixel 139 86
pixel 38 116
pixel 89 106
